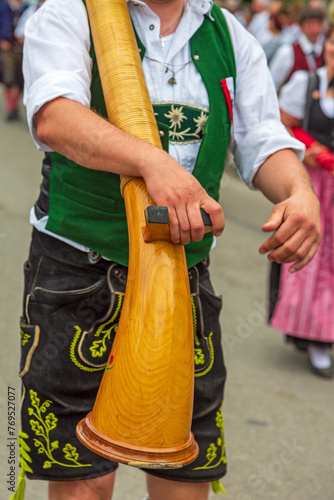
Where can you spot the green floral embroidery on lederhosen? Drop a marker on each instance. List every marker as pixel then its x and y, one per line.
pixel 203 348
pixel 42 424
pixel 90 352
pixel 215 453
pixel 186 122
pixel 24 461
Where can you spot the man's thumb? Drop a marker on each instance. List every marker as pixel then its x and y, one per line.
pixel 274 221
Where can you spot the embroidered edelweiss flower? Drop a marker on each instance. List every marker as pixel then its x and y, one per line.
pixel 175 116
pixel 200 122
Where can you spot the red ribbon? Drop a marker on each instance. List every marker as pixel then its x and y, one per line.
pixel 229 101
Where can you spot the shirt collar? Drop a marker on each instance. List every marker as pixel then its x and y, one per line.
pixel 203 7
pixel 309 47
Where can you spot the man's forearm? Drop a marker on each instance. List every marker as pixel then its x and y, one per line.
pixel 282 175
pixel 86 138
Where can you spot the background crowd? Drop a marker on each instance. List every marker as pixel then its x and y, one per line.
pixel 13 16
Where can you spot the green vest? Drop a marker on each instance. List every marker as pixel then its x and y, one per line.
pixel 86 205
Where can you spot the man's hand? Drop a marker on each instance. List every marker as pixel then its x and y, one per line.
pixel 297 231
pixel 295 216
pixel 170 185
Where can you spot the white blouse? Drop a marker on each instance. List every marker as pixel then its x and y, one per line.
pixel 292 98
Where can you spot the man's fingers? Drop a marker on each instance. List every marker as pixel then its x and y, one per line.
pixel 174 227
pixel 186 222
pixel 299 253
pixel 294 249
pixel 297 266
pixel 216 215
pixel 287 245
pixel 179 225
pixel 273 224
pixel 185 227
pixel 279 238
pixel 298 248
pixel 196 222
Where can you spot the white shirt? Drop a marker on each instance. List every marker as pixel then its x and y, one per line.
pixel 20 27
pixel 292 98
pixel 259 27
pixel 57 63
pixel 282 62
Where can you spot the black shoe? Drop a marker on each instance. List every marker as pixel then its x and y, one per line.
pixel 12 116
pixel 322 372
pixel 299 343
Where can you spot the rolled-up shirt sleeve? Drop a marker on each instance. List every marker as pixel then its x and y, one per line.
pixel 56 61
pixel 258 130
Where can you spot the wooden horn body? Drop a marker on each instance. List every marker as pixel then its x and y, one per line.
pixel 143 410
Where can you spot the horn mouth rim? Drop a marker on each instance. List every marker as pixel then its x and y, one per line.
pixel 173 457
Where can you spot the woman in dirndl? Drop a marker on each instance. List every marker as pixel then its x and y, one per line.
pixel 304 305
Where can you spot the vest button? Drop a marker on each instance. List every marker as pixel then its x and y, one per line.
pixel 161 133
pixel 93 257
pixel 118 273
pixel 196 57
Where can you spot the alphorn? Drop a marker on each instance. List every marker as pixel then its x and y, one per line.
pixel 143 409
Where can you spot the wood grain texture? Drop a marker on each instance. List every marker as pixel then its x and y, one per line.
pixel 142 414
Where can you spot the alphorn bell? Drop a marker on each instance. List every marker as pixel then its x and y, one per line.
pixel 143 409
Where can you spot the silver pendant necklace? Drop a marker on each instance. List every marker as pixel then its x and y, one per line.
pixel 169 67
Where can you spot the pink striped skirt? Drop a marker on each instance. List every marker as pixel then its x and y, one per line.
pixel 305 306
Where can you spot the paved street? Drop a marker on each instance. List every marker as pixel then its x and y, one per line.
pixel 278 416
